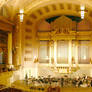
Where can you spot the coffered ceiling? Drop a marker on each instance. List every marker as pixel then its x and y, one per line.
pixel 36 7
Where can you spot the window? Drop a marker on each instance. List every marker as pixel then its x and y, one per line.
pixel 62 52
pixel 44 52
pixel 83 52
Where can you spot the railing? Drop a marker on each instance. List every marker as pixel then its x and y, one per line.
pixel 64 70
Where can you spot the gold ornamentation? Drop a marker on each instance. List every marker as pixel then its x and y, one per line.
pixel 60 26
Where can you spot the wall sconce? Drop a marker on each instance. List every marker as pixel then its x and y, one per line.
pixel 90 61
pixel 73 60
pixel 35 59
pixel 14 49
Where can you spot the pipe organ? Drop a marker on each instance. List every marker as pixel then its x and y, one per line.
pixel 69 47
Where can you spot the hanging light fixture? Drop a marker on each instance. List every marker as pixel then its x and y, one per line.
pixel 21 13
pixel 82 11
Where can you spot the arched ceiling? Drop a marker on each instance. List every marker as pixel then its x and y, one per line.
pixel 42 7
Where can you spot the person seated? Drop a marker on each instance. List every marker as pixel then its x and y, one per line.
pixel 91 83
pixel 80 83
pixel 53 89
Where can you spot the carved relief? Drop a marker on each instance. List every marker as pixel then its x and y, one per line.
pixel 61 26
pixel 64 28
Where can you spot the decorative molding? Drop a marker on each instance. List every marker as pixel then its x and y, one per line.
pixel 63 29
pixel 6 25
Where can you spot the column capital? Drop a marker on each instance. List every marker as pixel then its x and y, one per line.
pixel 51 43
pixel 70 55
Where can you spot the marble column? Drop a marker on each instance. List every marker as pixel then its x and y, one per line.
pixel 19 43
pixel 55 52
pixel 10 49
pixel 70 55
pixel 76 53
pixel 50 52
